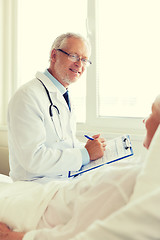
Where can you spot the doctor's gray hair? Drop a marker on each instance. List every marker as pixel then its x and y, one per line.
pixel 60 41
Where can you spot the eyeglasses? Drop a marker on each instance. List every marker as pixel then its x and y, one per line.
pixel 76 58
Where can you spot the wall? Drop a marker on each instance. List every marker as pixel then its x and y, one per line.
pixel 4 165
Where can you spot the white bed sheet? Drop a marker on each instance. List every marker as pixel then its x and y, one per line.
pixel 81 202
pixel 5 178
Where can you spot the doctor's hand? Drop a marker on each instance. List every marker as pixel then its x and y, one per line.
pixel 96 147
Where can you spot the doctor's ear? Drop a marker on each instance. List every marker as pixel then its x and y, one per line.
pixel 53 55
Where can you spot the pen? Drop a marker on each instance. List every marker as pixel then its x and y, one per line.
pixel 90 138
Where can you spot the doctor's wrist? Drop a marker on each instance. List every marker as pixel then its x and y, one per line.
pixel 85 156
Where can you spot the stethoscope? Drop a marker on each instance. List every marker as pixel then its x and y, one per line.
pixel 61 137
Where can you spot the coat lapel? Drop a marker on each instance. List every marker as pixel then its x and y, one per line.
pixel 54 92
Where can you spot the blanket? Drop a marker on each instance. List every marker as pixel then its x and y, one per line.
pixel 94 195
pixel 23 215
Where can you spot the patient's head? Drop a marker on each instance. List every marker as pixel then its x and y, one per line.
pixel 152 122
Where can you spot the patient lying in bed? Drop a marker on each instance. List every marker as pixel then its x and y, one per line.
pixel 109 203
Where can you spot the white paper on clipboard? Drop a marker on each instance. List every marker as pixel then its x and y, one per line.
pixel 116 149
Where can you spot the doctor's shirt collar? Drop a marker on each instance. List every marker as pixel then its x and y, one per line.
pixel 58 85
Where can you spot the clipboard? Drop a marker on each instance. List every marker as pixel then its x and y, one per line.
pixel 116 149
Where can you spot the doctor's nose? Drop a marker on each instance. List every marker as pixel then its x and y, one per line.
pixel 79 63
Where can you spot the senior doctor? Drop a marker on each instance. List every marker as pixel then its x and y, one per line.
pixel 41 122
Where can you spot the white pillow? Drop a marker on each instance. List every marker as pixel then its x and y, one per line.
pixel 5 178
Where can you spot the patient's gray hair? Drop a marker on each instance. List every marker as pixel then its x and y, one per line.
pixel 61 40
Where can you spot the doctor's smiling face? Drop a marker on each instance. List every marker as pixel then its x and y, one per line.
pixel 69 61
pixel 152 122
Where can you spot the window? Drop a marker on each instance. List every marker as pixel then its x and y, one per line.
pixel 128 55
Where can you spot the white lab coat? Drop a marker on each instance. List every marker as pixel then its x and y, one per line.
pixel 38 146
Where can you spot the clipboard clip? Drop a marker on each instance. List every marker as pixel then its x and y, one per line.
pixel 127 143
